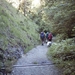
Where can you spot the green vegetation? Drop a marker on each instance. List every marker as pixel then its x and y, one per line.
pixel 57 16
pixel 60 17
pixel 63 54
pixel 16 30
pixel 35 62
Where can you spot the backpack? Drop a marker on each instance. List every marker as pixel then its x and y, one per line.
pixel 50 36
pixel 42 35
pixel 47 35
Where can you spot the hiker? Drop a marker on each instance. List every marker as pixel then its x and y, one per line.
pixel 49 39
pixel 42 37
pixel 47 33
pixel 50 36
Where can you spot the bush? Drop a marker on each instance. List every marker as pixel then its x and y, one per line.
pixel 61 37
pixel 64 54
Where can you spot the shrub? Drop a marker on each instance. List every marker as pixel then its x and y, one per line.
pixel 64 54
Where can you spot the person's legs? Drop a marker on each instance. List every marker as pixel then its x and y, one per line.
pixel 42 40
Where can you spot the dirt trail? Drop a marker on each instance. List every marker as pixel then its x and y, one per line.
pixel 35 62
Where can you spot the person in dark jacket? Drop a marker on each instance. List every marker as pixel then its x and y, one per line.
pixel 47 33
pixel 42 37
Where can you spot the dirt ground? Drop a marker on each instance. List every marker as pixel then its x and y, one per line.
pixel 35 62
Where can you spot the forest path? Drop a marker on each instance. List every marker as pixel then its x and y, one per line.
pixel 35 62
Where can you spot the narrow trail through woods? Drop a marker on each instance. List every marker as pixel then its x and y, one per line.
pixel 35 62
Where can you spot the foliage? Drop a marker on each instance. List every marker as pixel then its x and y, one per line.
pixel 60 37
pixel 24 6
pixel 63 54
pixel 13 28
pixel 16 30
pixel 56 16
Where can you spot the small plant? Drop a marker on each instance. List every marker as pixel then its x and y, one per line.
pixel 35 62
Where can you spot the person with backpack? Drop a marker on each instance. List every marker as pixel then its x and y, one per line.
pixel 42 37
pixel 50 37
pixel 47 33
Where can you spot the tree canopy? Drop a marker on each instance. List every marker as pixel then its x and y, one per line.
pixel 54 15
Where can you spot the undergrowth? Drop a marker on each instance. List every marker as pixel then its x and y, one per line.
pixel 16 30
pixel 63 54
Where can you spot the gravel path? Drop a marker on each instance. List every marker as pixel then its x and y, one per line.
pixel 35 62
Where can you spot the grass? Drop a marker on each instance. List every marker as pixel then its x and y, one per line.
pixel 16 30
pixel 11 25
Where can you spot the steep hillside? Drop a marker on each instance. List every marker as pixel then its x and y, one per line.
pixel 17 32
